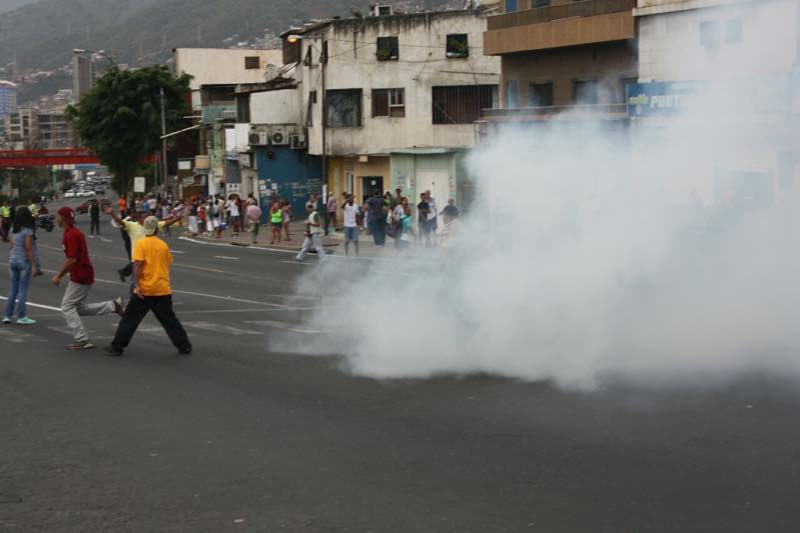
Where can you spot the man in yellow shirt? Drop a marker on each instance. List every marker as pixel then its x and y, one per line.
pixel 132 225
pixel 152 292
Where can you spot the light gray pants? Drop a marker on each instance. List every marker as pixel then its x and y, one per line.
pixel 74 306
pixel 312 242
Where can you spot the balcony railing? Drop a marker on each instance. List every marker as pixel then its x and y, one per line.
pixel 585 8
pixel 569 112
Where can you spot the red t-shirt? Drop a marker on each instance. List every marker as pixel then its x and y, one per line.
pixel 74 244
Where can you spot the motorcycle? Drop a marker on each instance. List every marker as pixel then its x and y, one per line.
pixel 46 222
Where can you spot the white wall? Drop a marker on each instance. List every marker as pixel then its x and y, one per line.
pixel 211 66
pixel 670 45
pixel 276 107
pixel 422 64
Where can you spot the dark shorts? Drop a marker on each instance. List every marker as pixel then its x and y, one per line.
pixel 277 225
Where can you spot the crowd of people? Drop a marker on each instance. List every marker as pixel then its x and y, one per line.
pixel 150 290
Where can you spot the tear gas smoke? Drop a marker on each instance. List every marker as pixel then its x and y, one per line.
pixel 592 252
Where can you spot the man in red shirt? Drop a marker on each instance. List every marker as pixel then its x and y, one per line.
pixel 81 278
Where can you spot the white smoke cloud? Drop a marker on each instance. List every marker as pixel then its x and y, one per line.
pixel 593 253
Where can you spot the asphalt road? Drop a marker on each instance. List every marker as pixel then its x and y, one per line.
pixel 236 438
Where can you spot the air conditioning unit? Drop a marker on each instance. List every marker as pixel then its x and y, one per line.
pixel 297 142
pixel 279 136
pixel 382 11
pixel 259 136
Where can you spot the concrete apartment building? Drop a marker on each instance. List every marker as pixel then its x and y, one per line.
pixel 562 53
pixel 738 59
pixel 84 75
pixel 389 100
pixel 54 131
pixel 215 75
pixel 20 129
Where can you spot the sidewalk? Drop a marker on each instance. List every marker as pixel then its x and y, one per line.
pixel 333 243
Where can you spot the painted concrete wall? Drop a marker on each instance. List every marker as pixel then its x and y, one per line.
pixel 295 174
pixel 276 107
pixel 340 167
pixel 671 47
pixel 609 63
pixel 221 66
pixel 422 64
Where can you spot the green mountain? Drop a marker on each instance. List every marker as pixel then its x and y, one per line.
pixel 42 34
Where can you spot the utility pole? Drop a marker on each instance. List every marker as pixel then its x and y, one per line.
pixel 163 139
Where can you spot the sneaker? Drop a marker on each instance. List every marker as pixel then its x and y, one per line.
pixel 6 320
pixel 111 351
pixel 186 350
pixel 25 321
pixel 119 306
pixel 82 345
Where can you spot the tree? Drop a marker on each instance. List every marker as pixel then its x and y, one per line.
pixel 120 118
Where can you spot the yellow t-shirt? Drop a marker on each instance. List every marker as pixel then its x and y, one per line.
pixel 136 232
pixel 156 258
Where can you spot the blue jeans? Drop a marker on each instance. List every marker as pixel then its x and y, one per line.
pixel 378 230
pixel 20 274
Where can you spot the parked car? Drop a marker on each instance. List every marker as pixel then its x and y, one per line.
pixel 100 190
pixel 83 208
pixel 70 194
pixel 86 194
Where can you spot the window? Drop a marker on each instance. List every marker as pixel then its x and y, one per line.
pixel 709 34
pixel 312 99
pixel 540 94
pixel 387 49
pixel 461 104
pixel 542 3
pixel 733 31
pixel 457 45
pixel 512 88
pixel 252 62
pixel 388 103
pixel 511 6
pixel 585 92
pixel 243 108
pixel 343 108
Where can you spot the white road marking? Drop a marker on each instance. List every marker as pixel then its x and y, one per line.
pixel 296 263
pixel 16 336
pixel 105 240
pixel 226 258
pixel 40 306
pixel 220 328
pixel 177 251
pixel 283 325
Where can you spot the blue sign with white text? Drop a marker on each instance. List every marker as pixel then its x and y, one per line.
pixel 659 98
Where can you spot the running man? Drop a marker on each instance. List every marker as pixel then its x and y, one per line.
pixel 313 236
pixel 81 278
pixel 152 292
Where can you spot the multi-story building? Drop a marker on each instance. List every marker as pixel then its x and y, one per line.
pixel 54 131
pixel 730 63
pixel 8 98
pixel 20 129
pixel 215 75
pixel 563 53
pixel 389 100
pixel 83 75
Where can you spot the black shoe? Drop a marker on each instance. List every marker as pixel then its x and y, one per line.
pixel 122 276
pixel 111 351
pixel 186 350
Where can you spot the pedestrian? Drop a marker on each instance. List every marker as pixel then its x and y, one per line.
pixel 193 217
pixel 81 278
pixel 398 214
pixel 233 210
pixel 406 229
pixel 94 217
pixel 276 221
pixel 152 292
pixel 376 219
pixel 351 210
pixel 450 212
pixel 152 203
pixel 166 214
pixel 135 231
pixel 287 218
pixel 423 210
pixel 5 212
pixel 253 215
pixel 330 220
pixel 433 219
pixel 21 262
pixel 398 197
pixel 123 207
pixel 313 236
